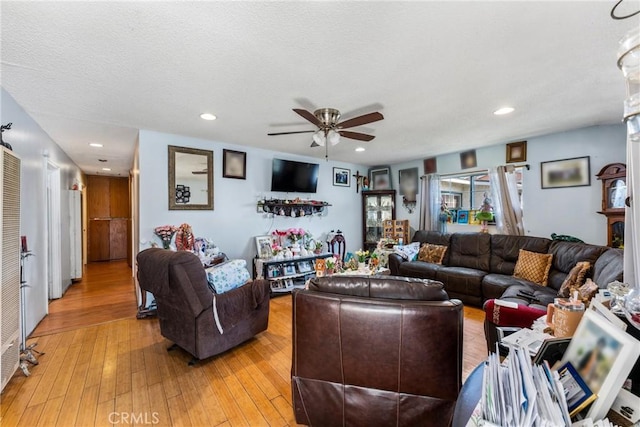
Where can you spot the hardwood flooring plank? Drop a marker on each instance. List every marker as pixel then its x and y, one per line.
pixel 178 411
pixel 160 409
pixel 123 368
pixel 51 412
pixel 71 403
pixel 232 411
pixel 31 415
pixel 105 413
pixel 285 409
pixel 88 406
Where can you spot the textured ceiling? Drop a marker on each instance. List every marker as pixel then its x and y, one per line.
pixel 100 71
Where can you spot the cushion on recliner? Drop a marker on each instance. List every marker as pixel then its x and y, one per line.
pixel 227 276
pixel 470 250
pixel 461 280
pixel 419 269
pixel 494 285
pixel 505 250
pixel 389 287
pixel 608 268
pixel 565 256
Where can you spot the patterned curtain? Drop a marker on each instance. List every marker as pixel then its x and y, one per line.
pixel 429 201
pixel 506 202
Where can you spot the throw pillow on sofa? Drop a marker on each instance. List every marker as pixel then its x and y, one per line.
pixel 533 266
pixel 432 253
pixel 408 252
pixel 227 276
pixel 574 279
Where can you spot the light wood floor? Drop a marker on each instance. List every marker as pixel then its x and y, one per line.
pixel 119 373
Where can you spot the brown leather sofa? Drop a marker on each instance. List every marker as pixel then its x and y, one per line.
pixel 478 267
pixel 186 304
pixel 375 351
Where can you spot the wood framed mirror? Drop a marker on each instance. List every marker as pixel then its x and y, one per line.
pixel 190 179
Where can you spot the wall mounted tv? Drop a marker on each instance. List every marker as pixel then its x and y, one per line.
pixel 294 177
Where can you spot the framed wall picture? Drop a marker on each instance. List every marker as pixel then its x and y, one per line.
pixel 463 217
pixel 603 355
pixel 342 177
pixel 430 165
pixel 408 179
pixel 234 164
pixel 517 152
pixel 573 172
pixel 263 246
pixel 468 159
pixel 380 178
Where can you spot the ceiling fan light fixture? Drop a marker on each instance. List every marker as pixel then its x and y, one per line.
pixel 320 138
pixel 333 137
pixel 95 144
pixel 359 149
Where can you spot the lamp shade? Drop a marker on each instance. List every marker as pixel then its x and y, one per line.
pixel 333 137
pixel 319 138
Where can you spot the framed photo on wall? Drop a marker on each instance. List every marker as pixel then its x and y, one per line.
pixel 517 152
pixel 234 164
pixel 573 172
pixel 380 178
pixel 342 177
pixel 468 159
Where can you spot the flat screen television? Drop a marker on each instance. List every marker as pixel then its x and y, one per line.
pixel 294 177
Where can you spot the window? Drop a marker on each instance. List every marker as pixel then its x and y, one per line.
pixel 466 192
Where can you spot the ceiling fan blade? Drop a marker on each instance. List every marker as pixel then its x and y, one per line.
pixel 289 133
pixel 361 120
pixel 356 135
pixel 314 144
pixel 308 116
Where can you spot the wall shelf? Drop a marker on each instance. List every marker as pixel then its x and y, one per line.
pixel 292 208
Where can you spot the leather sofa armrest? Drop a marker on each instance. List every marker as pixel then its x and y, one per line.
pixel 394 264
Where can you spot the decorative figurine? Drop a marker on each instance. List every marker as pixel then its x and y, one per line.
pixel 2 129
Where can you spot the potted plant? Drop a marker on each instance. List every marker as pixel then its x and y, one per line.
pixel 362 257
pixel 330 264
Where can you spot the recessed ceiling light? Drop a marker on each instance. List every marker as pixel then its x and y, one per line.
pixel 360 149
pixel 207 116
pixel 95 144
pixel 106 169
pixel 502 111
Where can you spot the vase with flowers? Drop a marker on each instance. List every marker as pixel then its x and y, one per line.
pixel 362 258
pixel 165 233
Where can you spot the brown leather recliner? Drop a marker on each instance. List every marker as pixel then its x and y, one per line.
pixel 375 351
pixel 185 302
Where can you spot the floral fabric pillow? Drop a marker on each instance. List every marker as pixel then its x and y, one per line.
pixel 408 252
pixel 227 276
pixel 432 253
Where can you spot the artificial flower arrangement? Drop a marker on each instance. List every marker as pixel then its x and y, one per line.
pixel 293 234
pixel 362 255
pixel 331 263
pixel 374 261
pixel 165 233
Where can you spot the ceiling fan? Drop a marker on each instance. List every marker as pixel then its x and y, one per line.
pixel 329 129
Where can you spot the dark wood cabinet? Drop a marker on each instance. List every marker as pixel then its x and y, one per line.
pixel 614 197
pixel 377 207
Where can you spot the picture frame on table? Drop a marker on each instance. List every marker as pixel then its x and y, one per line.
pixel 263 246
pixel 341 177
pixel 577 392
pixel 234 164
pixel 472 217
pixel 574 172
pixel 289 269
pixel 463 216
pixel 380 178
pixel 305 267
pixel 517 152
pixel 603 355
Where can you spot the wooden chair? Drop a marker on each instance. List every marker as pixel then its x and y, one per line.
pixel 337 245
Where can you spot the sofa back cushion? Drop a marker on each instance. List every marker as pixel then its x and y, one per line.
pixel 387 287
pixel 608 268
pixel 470 250
pixel 565 257
pixel 505 249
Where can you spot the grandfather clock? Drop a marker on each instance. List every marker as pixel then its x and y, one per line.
pixel 614 195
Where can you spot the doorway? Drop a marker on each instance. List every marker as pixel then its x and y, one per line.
pixel 54 244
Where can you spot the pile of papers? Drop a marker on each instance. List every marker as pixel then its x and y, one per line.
pixel 516 393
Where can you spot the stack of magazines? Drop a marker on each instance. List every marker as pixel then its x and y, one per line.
pixel 517 393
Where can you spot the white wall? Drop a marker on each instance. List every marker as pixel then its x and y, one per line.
pixel 234 222
pixel 29 141
pixel 571 211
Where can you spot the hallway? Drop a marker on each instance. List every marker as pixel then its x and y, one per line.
pixel 105 293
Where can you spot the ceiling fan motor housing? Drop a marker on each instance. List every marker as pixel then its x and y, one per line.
pixel 327 116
